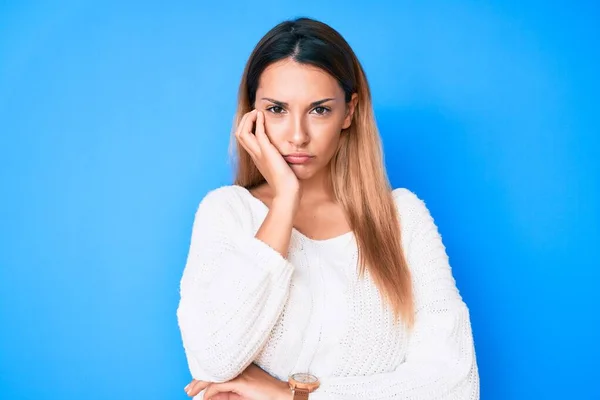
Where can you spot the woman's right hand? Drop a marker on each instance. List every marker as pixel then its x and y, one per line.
pixel 266 157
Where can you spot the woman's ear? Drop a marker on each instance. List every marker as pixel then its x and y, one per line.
pixel 350 107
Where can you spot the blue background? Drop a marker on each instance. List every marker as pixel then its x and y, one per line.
pixel 115 121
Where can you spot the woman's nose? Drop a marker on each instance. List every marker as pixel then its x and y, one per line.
pixel 299 135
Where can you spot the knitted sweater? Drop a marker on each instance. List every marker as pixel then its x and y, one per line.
pixel 242 302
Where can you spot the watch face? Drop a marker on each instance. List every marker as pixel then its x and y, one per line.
pixel 304 378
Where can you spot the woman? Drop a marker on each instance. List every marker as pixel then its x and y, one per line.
pixel 310 264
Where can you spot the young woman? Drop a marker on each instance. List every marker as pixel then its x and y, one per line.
pixel 309 277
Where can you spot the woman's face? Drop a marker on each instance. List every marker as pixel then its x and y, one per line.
pixel 305 111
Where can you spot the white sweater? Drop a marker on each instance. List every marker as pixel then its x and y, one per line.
pixel 242 302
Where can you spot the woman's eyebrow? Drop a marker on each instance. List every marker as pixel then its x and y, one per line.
pixel 284 104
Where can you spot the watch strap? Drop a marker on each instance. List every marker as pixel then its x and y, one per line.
pixel 300 394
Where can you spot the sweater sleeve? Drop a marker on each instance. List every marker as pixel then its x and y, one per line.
pixel 232 291
pixel 440 361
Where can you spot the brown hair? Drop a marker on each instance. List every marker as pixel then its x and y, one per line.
pixel 357 172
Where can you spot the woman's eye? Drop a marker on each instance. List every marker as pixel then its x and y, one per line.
pixel 275 109
pixel 321 110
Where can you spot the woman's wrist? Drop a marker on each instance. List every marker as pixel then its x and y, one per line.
pixel 288 202
pixel 285 392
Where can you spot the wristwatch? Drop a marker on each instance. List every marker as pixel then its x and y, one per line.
pixel 302 384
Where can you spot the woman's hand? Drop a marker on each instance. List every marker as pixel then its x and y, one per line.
pixel 265 155
pixel 252 384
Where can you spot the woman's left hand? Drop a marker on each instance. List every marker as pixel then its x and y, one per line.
pixel 252 384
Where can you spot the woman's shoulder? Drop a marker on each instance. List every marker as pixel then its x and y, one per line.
pixel 226 207
pixel 411 207
pixel 405 197
pixel 227 198
pixel 223 193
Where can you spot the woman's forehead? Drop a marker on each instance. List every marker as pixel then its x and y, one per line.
pixel 289 81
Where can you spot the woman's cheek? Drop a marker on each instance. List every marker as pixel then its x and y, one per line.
pixel 324 132
pixel 274 130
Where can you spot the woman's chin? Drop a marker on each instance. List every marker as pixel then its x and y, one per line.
pixel 302 172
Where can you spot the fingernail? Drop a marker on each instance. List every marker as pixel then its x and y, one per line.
pixel 185 388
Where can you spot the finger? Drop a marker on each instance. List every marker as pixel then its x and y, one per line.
pixel 222 396
pixel 247 138
pixel 250 144
pixel 242 139
pixel 246 125
pixel 227 396
pixel 261 136
pixel 238 129
pixel 189 386
pixel 260 126
pixel 196 387
pixel 216 388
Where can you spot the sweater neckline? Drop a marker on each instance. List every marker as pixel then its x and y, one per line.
pixel 296 232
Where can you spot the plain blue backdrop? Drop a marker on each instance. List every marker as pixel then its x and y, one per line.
pixel 115 121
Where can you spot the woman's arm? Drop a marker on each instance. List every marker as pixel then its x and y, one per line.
pixel 440 363
pixel 276 229
pixel 233 289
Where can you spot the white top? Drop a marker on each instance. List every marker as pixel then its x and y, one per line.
pixel 242 302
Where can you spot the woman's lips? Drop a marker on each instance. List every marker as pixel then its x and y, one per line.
pixel 298 158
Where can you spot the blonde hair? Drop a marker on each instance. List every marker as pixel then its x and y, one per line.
pixel 357 171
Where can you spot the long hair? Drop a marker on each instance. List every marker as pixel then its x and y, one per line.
pixel 358 176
